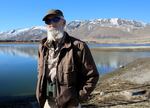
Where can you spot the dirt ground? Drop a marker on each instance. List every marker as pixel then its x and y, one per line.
pixel 127 87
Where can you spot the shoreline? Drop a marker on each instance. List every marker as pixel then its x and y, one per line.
pixel 101 48
pixel 122 48
pixel 18 42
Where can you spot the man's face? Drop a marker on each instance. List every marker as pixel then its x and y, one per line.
pixel 55 28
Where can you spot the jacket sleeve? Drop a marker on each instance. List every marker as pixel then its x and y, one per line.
pixel 89 72
pixel 39 95
pixel 38 74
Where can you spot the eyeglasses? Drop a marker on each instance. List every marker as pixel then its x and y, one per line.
pixel 54 20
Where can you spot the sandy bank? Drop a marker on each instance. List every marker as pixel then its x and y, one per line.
pixel 127 87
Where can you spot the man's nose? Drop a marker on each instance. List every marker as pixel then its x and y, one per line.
pixel 51 25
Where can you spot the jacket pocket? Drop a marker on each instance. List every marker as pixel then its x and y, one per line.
pixel 69 75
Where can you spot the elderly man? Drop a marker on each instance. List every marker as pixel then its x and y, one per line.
pixel 67 73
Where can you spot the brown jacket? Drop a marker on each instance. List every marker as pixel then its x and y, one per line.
pixel 77 74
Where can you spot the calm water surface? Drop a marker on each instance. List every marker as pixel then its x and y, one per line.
pixel 18 66
pixel 18 69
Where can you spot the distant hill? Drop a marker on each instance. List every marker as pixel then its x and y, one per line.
pixel 113 28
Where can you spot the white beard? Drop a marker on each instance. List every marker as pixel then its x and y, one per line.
pixel 55 34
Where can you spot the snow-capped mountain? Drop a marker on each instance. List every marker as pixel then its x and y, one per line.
pixel 24 34
pixel 96 28
pixel 108 22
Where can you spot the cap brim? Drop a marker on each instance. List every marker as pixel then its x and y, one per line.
pixel 49 15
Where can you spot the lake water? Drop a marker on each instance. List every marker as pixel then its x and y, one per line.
pixel 18 66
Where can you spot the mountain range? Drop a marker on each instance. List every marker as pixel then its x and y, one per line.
pixel 96 29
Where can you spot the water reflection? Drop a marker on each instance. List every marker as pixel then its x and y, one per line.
pixel 24 50
pixel 109 61
pixel 18 66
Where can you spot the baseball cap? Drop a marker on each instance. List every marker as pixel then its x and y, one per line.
pixel 53 12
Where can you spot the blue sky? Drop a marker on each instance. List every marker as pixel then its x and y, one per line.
pixel 27 13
